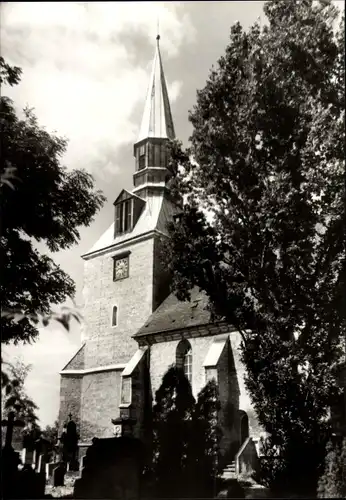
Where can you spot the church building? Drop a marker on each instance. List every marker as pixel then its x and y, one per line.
pixel 134 329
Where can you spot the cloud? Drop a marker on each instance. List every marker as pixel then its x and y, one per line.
pixel 80 72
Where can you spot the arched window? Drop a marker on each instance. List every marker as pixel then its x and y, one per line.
pixel 114 316
pixel 184 358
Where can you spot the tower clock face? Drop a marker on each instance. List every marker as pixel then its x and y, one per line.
pixel 121 268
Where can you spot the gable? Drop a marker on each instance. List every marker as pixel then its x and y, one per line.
pixel 126 195
pixel 77 360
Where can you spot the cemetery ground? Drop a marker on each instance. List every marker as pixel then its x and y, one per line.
pixel 65 491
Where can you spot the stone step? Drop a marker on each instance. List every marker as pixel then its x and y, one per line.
pixel 230 467
pixel 229 471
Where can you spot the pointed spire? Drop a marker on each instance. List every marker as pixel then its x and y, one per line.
pixel 157 117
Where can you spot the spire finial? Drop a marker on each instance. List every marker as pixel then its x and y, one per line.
pixel 158 29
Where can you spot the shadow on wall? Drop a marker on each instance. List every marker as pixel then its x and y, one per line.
pixel 89 430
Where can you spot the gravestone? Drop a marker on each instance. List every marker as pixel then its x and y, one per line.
pixel 82 463
pixel 112 469
pixel 41 447
pixel 49 468
pixel 73 465
pixel 42 462
pixel 31 485
pixel 34 462
pixel 10 423
pixel 58 475
pixel 28 457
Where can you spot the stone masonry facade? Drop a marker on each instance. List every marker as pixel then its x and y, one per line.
pixel 135 297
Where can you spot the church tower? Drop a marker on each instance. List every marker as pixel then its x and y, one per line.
pixel 156 130
pixel 124 280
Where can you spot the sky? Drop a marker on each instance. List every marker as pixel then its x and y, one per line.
pixel 86 68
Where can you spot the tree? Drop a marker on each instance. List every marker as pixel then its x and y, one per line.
pixel 172 418
pixel 51 433
pixel 262 226
pixel 41 202
pixel 15 398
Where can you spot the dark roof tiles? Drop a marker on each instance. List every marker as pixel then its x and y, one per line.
pixel 174 314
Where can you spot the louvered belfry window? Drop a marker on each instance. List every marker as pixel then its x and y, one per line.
pixel 141 158
pixel 124 216
pixel 119 218
pixel 127 215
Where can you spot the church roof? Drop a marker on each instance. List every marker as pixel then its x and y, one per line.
pixel 156 213
pixel 174 314
pixel 157 117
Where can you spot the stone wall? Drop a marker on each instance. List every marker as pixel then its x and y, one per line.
pixel 163 355
pixel 133 297
pixel 70 399
pixel 100 403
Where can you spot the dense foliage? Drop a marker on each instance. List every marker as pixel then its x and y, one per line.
pixel 186 437
pixel 42 201
pixel 333 482
pixel 205 441
pixel 262 226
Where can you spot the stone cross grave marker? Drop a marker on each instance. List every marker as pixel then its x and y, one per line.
pixel 10 423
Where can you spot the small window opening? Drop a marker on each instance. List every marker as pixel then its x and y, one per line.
pixel 114 316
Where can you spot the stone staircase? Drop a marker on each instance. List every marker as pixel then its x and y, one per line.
pixel 229 471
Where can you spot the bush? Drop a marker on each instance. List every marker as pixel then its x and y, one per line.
pixel 333 481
